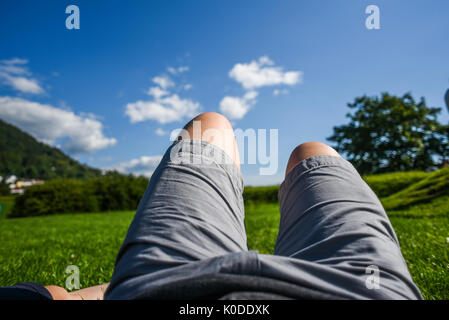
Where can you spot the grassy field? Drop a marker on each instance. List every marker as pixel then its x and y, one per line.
pixel 40 248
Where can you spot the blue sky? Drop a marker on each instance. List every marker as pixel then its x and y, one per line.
pixel 88 91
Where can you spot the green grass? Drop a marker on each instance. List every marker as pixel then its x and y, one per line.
pixel 433 186
pixel 262 224
pixel 422 231
pixel 40 248
pixel 386 184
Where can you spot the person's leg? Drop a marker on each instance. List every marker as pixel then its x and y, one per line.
pixel 308 150
pixel 214 128
pixel 192 208
pixel 90 293
pixel 330 217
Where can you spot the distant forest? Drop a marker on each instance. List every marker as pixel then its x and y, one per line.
pixel 25 157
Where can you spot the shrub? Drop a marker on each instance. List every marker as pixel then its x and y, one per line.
pixel 108 193
pixel 267 194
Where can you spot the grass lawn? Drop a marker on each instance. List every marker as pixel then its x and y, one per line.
pixel 40 248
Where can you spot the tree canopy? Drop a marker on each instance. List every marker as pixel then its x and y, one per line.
pixel 390 133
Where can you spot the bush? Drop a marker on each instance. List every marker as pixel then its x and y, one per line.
pixel 261 194
pixel 115 192
pixel 108 193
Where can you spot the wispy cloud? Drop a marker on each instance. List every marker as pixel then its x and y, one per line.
pixel 160 132
pixel 262 73
pixel 163 81
pixel 144 165
pixel 163 110
pixel 164 107
pixel 79 133
pixel 253 75
pixel 277 92
pixel 178 70
pixel 14 73
pixel 236 107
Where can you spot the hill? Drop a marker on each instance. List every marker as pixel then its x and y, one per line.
pixel 433 187
pixel 24 156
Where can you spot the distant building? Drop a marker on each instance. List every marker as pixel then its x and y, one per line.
pixel 11 179
pixel 16 191
pixel 19 186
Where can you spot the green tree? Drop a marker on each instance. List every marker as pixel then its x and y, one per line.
pixel 392 134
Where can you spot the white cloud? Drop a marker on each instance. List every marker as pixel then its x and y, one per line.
pixel 12 69
pixel 144 165
pixel 22 84
pixel 157 92
pixel 256 74
pixel 78 134
pixel 178 70
pixel 14 61
pixel 160 132
pixel 14 74
pixel 278 92
pixel 164 110
pixel 236 107
pixel 187 87
pixel 250 95
pixel 265 60
pixel 262 73
pixel 183 69
pixel 165 107
pixel 163 81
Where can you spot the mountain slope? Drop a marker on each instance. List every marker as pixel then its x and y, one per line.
pixel 25 157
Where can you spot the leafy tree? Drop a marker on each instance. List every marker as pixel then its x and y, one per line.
pixel 392 134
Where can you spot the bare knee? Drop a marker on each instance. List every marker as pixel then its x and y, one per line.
pixel 208 120
pixel 213 128
pixel 307 150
